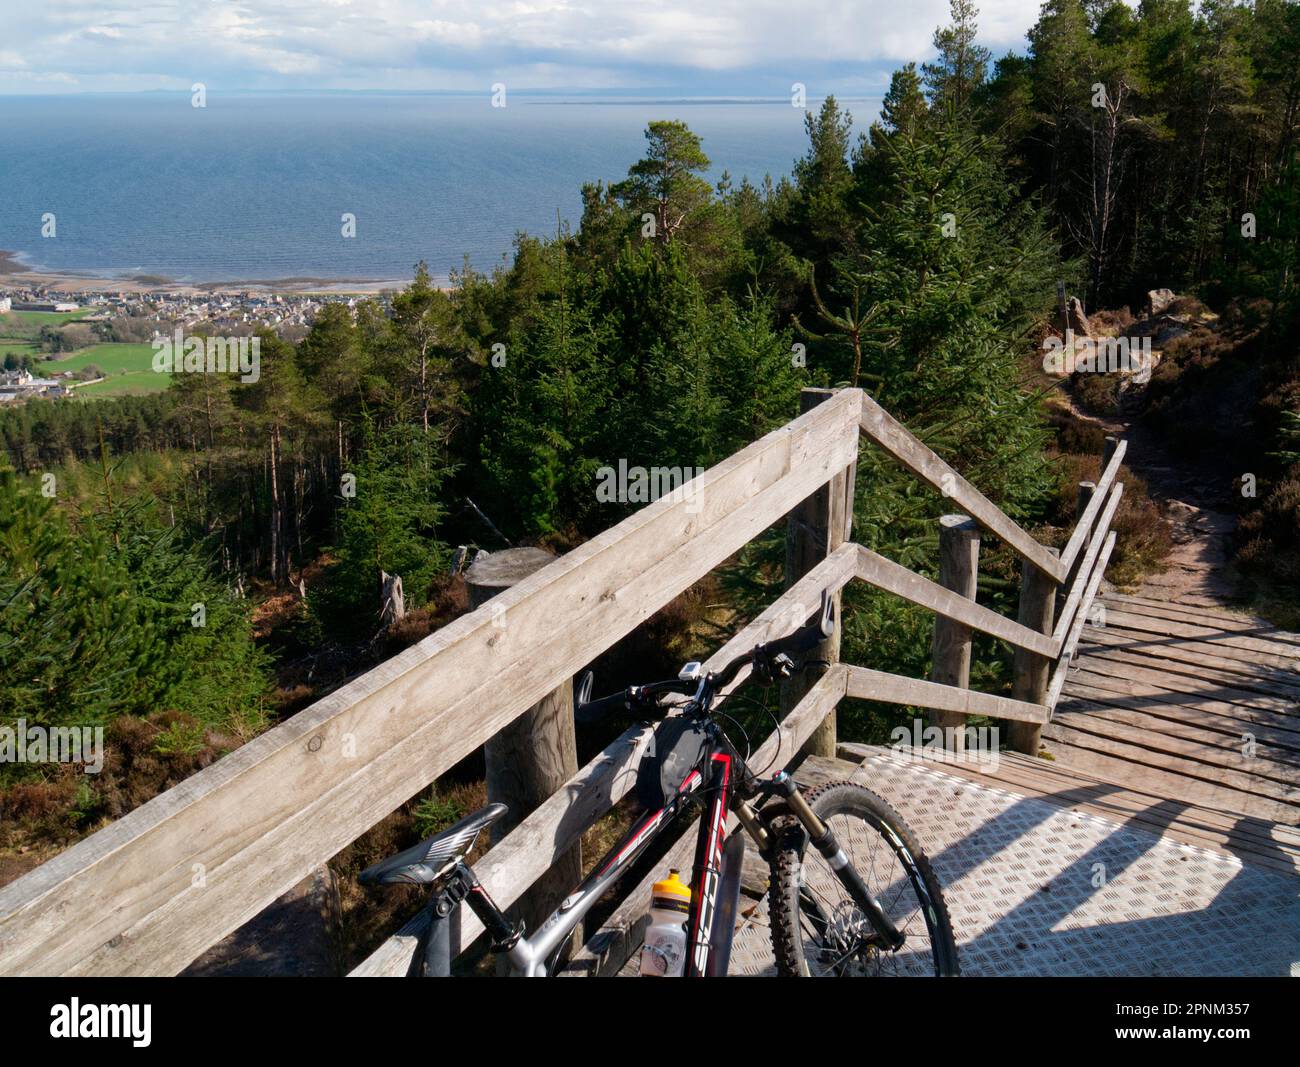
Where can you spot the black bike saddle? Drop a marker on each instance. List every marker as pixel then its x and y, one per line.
pixel 420 864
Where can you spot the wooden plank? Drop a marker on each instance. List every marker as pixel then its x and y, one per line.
pixel 814 529
pixel 1218 764
pixel 1177 688
pixel 1281 731
pixel 1277 650
pixel 1029 672
pixel 1155 642
pixel 1236 627
pixel 529 850
pixel 1083 532
pixel 885 574
pixel 1250 690
pixel 1076 628
pixel 610 947
pixel 1019 772
pixel 1279 762
pixel 1063 779
pixel 866 684
pixel 950 646
pixel 1083 580
pixel 920 459
pixel 1226 617
pixel 1137 767
pixel 1251 673
pixel 254 823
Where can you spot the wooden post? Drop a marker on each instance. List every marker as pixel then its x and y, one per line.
pixel 537 753
pixel 1032 671
pixel 959 553
pixel 815 529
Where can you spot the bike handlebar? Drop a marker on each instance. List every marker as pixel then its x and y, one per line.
pixel 638 697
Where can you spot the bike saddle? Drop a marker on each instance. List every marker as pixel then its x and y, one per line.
pixel 422 863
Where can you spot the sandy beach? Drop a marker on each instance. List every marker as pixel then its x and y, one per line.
pixel 15 275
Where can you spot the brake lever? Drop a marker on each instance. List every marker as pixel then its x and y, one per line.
pixel 785 667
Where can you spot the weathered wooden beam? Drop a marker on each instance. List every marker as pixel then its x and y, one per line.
pixel 154 889
pixel 1030 670
pixel 1086 567
pixel 950 651
pixel 865 684
pixel 885 574
pixel 1112 460
pixel 815 529
pixel 537 753
pixel 891 435
pixel 1083 496
pixel 1076 628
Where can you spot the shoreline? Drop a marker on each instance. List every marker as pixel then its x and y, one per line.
pixel 16 275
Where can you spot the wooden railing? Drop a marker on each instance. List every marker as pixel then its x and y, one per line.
pixel 149 893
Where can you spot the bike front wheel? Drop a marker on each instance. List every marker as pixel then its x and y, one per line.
pixel 818 929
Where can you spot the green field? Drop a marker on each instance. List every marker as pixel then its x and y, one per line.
pixel 41 318
pixel 22 348
pixel 129 369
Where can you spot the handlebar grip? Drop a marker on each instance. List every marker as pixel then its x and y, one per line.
pixel 595 710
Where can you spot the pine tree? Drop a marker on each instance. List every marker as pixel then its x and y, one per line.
pixel 114 613
pixel 962 64
pixel 666 184
pixel 390 525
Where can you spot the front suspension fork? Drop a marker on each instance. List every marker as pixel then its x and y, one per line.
pixel 824 840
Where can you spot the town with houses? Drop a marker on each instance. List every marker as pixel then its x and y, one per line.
pixel 235 312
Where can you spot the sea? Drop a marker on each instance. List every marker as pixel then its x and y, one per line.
pixel 256 187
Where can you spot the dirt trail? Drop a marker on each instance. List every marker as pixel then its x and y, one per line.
pixel 1193 500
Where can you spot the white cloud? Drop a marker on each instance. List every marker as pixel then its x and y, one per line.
pixel 467 43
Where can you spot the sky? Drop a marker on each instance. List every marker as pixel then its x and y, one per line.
pixel 675 47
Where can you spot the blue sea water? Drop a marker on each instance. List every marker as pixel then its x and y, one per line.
pixel 254 186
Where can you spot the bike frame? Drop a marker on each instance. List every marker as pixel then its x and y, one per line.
pixel 716 776
pixel 724 784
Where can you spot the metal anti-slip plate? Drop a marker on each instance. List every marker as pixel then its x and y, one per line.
pixel 1034 889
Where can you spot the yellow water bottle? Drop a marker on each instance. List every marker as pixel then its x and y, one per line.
pixel 664 952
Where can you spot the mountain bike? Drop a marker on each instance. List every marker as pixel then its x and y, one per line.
pixel 851 892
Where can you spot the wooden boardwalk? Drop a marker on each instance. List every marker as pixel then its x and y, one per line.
pixel 1191 703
